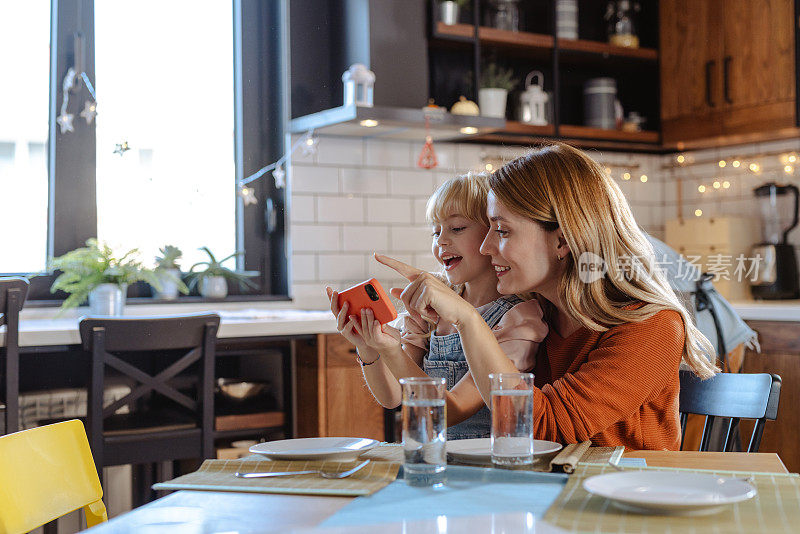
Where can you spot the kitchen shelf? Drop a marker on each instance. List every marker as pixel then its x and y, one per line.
pixel 248 421
pixel 586 132
pixel 540 42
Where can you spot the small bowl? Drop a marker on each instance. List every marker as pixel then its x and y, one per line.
pixel 237 390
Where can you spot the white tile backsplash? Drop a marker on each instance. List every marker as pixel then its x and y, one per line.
pixel 356 197
pixel 303 208
pixel 340 151
pixel 366 239
pixel 378 153
pixel 408 182
pixel 313 238
pixel 340 209
pixel 342 266
pixel 364 181
pixel 307 179
pixel 389 210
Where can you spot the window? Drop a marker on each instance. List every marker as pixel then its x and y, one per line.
pixel 192 89
pixel 170 97
pixel 25 57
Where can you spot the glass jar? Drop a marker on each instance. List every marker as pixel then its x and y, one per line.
pixel 623 24
pixel 506 15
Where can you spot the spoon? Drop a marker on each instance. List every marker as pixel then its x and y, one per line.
pixel 323 474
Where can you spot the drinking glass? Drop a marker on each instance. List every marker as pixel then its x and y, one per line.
pixel 424 431
pixel 512 418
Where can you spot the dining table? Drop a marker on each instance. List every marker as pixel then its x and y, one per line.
pixel 235 512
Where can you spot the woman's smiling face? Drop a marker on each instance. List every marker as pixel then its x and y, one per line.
pixel 456 245
pixel 522 252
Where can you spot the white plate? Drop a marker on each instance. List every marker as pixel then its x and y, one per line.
pixel 670 492
pixel 314 448
pixel 479 450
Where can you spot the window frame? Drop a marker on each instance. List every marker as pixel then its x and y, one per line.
pixel 260 118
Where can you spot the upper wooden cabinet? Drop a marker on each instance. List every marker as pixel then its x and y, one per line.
pixel 727 68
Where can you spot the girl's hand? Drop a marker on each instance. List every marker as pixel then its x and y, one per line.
pixel 382 338
pixel 427 298
pixel 344 324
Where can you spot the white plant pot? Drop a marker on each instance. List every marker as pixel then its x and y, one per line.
pixel 492 102
pixel 107 299
pixel 169 284
pixel 214 287
pixel 449 12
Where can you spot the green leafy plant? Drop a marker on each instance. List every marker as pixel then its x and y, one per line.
pixel 168 260
pixel 214 267
pixel 169 257
pixel 495 77
pixel 83 269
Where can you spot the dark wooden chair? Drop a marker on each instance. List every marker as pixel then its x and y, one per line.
pixel 12 297
pixel 732 396
pixel 163 423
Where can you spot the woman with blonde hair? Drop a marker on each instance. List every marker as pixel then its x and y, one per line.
pixel 562 228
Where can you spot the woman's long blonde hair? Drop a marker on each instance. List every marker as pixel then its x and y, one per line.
pixel 561 187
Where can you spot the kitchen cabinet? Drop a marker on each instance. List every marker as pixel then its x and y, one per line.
pixel 727 68
pixel 780 354
pixel 332 396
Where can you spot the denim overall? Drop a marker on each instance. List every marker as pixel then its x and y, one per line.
pixel 445 359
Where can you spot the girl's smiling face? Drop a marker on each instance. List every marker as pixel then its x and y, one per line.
pixel 456 245
pixel 522 252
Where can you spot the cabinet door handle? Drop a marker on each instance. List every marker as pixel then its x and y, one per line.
pixel 709 100
pixel 725 70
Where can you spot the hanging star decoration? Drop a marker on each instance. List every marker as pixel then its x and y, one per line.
pixel 121 148
pixel 248 195
pixel 89 111
pixel 65 122
pixel 72 79
pixel 280 177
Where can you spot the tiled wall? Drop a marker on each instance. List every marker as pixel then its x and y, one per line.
pixel 355 197
pixel 737 199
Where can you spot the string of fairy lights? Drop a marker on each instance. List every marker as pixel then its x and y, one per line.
pixel 729 170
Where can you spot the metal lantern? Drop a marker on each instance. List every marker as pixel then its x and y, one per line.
pixel 358 84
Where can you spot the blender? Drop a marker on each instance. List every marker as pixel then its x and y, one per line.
pixel 776 276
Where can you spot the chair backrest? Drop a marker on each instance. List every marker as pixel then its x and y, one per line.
pixel 47 472
pixel 194 333
pixel 733 396
pixel 12 297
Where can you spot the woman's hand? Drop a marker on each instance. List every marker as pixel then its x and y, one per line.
pixel 382 338
pixel 427 298
pixel 344 324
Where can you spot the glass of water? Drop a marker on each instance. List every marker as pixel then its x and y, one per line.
pixel 424 430
pixel 512 418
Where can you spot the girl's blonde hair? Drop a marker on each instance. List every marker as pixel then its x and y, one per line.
pixel 561 187
pixel 463 195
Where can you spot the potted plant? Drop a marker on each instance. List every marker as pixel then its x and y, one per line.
pixel 169 273
pixel 211 277
pixel 96 273
pixel 496 82
pixel 448 9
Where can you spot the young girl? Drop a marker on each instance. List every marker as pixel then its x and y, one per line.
pixel 457 214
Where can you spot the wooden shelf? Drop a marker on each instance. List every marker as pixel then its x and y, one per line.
pixel 585 132
pixel 605 49
pixel 521 128
pixel 540 42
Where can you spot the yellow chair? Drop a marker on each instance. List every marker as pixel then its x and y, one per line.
pixel 47 472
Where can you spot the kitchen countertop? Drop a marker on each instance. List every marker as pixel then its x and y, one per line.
pixel 768 310
pixel 41 326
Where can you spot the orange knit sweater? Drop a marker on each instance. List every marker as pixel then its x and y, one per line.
pixel 618 387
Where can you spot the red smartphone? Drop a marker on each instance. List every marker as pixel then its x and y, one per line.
pixel 370 295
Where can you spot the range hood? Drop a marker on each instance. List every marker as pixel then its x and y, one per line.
pixel 386 122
